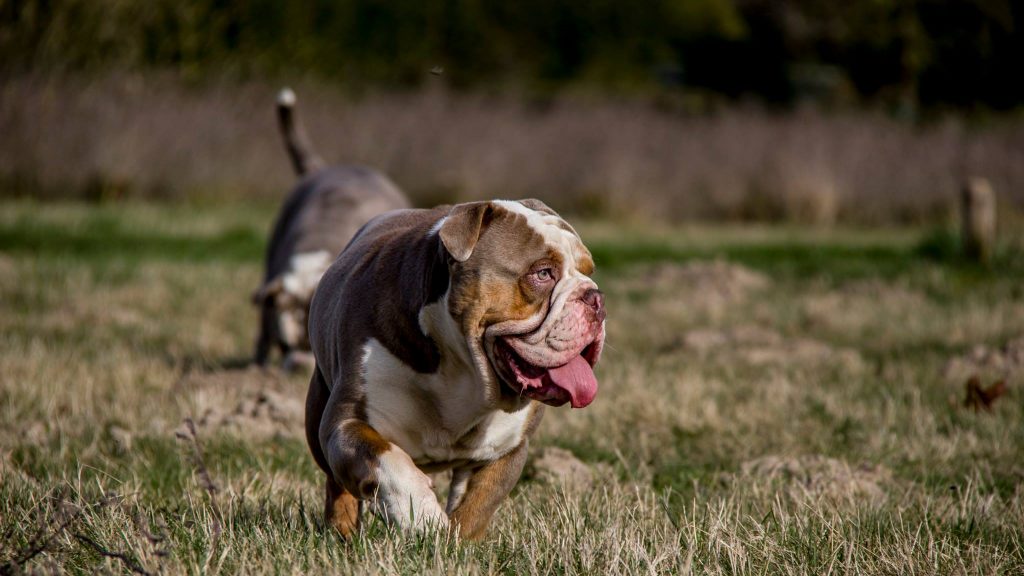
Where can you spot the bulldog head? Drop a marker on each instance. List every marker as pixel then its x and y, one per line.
pixel 520 292
pixel 290 294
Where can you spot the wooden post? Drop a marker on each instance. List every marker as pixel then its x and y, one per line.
pixel 978 204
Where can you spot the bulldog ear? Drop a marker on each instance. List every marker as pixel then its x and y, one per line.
pixel 534 204
pixel 462 228
pixel 267 291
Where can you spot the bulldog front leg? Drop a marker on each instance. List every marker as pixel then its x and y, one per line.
pixel 378 471
pixel 476 494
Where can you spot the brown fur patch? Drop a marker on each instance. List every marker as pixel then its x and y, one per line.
pixel 354 458
pixel 341 509
pixel 585 263
pixel 366 437
pixel 487 488
pixel 489 286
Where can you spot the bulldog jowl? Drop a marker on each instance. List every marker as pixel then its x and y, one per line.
pixel 557 366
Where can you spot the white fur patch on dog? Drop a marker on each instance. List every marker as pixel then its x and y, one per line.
pixel 428 415
pixel 550 227
pixel 404 495
pixel 298 284
pixel 304 273
pixel 457 489
pixel 291 323
pixel 286 97
pixel 436 227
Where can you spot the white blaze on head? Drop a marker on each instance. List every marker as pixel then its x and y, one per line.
pixel 556 234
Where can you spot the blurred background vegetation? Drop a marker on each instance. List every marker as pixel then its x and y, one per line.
pixel 965 53
pixel 937 76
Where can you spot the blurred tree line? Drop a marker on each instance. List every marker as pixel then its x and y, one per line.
pixel 960 53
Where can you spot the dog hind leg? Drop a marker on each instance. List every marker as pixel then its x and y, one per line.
pixel 341 508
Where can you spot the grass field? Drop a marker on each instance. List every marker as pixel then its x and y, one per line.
pixel 773 400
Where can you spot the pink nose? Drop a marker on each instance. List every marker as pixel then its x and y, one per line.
pixel 595 300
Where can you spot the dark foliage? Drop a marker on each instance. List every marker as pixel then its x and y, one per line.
pixel 901 52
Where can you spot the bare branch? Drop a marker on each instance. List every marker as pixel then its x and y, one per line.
pixel 128 562
pixel 205 480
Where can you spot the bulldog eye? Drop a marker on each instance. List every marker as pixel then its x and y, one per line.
pixel 541 276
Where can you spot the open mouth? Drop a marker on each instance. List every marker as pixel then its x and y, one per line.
pixel 572 382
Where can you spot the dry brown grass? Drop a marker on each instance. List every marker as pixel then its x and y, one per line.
pixel 153 136
pixel 701 460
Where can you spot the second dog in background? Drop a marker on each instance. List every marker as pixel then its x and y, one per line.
pixel 322 213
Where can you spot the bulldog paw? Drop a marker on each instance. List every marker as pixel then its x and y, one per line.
pixel 404 497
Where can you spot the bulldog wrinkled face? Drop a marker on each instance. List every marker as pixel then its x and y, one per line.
pixel 526 301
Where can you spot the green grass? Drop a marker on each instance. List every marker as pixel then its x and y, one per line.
pixel 104 233
pixel 773 400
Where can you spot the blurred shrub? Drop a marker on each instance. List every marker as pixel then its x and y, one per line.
pixel 941 244
pixel 153 136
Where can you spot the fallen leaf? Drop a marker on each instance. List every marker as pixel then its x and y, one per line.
pixel 980 398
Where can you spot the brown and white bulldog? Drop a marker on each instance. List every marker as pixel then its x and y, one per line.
pixel 438 336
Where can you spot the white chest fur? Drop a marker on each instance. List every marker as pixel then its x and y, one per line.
pixel 438 417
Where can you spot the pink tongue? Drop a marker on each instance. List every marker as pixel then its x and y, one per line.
pixel 577 378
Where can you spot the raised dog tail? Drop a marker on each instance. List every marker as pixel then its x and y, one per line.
pixel 304 160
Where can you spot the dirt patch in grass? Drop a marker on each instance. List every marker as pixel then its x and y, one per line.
pixel 705 340
pixel 1006 360
pixel 761 346
pixel 553 465
pixel 248 401
pixel 816 475
pixel 265 413
pixel 708 288
pixel 714 279
pixel 859 305
pixel 247 377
